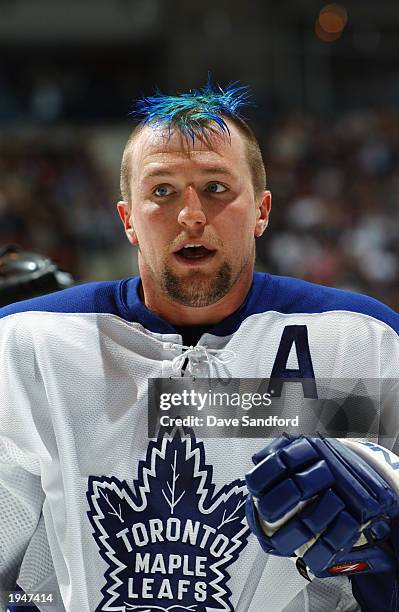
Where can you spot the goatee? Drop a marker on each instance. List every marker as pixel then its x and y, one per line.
pixel 198 290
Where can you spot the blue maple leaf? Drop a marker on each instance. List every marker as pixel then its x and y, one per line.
pixel 169 539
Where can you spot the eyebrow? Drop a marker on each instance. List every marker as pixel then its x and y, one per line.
pixel 208 170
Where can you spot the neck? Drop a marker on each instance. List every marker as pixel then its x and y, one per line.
pixel 178 314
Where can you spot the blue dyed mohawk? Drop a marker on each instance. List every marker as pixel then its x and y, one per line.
pixel 191 111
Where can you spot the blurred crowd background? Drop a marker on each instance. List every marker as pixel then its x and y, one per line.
pixel 325 82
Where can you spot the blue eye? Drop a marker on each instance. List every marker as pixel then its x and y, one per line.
pixel 162 191
pixel 215 187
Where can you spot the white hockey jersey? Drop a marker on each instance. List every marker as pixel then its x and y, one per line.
pixel 109 520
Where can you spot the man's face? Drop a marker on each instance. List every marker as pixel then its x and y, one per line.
pixel 193 213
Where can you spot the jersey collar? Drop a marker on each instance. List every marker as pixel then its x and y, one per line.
pixel 137 311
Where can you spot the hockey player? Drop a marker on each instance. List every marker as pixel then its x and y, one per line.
pixel 123 522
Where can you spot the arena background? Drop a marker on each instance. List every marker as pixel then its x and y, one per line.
pixel 325 80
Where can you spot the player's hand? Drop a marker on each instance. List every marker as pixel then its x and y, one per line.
pixel 326 501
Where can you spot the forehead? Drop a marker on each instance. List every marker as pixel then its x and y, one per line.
pixel 159 146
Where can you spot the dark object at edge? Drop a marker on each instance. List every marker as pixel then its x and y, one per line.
pixel 24 275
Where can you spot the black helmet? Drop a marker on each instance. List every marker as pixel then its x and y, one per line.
pixel 24 275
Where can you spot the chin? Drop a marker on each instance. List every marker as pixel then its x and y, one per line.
pixel 198 289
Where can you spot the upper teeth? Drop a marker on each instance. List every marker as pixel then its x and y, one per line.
pixel 192 245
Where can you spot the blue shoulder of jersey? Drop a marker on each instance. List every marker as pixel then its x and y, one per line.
pixel 290 295
pixel 119 297
pixel 86 298
pixel 293 295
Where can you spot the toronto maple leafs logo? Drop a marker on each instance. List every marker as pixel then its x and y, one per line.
pixel 170 539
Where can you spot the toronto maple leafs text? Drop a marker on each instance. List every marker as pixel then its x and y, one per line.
pixel 189 568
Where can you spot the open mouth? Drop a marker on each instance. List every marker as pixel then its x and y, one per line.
pixel 195 254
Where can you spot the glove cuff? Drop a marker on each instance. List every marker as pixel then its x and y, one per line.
pixel 383 461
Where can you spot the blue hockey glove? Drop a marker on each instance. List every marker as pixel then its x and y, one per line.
pixel 327 502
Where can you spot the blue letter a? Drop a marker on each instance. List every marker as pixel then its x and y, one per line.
pixel 298 335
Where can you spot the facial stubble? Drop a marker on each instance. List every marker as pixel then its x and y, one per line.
pixel 198 289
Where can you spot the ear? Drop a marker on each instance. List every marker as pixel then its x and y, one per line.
pixel 262 213
pixel 126 218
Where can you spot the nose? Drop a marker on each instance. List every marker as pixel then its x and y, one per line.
pixel 192 215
